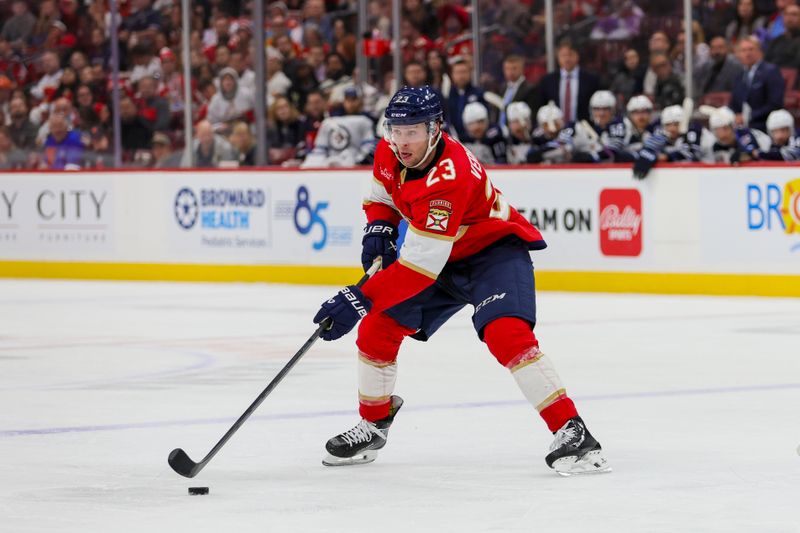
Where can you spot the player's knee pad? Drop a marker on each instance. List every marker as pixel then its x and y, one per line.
pixel 508 338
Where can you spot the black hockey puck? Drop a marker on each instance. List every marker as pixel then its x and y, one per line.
pixel 195 491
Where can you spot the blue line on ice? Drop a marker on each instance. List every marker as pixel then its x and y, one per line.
pixel 321 414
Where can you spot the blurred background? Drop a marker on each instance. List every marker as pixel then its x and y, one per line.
pixel 90 84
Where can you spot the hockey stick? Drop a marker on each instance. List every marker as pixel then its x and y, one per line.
pixel 180 461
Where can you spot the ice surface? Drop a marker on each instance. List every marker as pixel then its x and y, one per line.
pixel 695 400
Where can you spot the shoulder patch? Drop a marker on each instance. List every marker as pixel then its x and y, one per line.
pixel 438 215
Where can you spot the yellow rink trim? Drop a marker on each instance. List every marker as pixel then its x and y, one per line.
pixel 574 281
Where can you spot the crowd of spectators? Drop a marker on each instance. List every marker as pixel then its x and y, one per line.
pixel 56 109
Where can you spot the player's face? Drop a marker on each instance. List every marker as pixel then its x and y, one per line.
pixel 780 136
pixel 477 129
pixel 725 135
pixel 518 128
pixel 673 130
pixel 640 119
pixel 411 142
pixel 601 116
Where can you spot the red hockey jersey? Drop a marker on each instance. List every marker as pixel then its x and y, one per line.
pixel 452 210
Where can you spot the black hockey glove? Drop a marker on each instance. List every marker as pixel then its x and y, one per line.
pixel 345 309
pixel 380 239
pixel 644 162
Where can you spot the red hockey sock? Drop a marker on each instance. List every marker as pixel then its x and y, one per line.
pixel 379 339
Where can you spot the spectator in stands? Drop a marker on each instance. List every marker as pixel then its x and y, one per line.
pixel 67 85
pixel 247 78
pixel 335 75
pixel 570 87
pixel 775 26
pixel 461 93
pixel 211 149
pixel 51 66
pixel 701 53
pixel 163 156
pixel 316 58
pixel 414 74
pixel 241 139
pixel 286 132
pixel 11 157
pixel 748 22
pixel 303 82
pixel 141 24
pixel 623 21
pixel 658 43
pixel 454 32
pixel 171 80
pixel 759 91
pixel 62 106
pixel 345 140
pixel 414 43
pixel 785 145
pixel 153 107
pixel 314 17
pixel 144 63
pixel 22 131
pixel 784 51
pixel 63 149
pixel 277 82
pixel 17 29
pixel 720 73
pixel 6 86
pixel 137 133
pixel 516 87
pixel 437 71
pixel 90 114
pixel 230 103
pixel 483 139
pixel 420 14
pixel 629 79
pixel 315 111
pixel 669 87
pixel 48 14
pixel 222 58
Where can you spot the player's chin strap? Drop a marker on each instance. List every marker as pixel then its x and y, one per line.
pixel 431 147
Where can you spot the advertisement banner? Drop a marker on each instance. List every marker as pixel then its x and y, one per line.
pixel 57 216
pixel 587 222
pixel 752 216
pixel 219 216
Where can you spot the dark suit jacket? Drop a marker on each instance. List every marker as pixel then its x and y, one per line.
pixel 588 84
pixel 526 92
pixel 729 72
pixel 764 95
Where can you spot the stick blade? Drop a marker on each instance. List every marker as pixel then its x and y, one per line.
pixel 182 464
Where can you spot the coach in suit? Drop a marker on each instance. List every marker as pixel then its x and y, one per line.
pixel 759 91
pixel 719 74
pixel 570 86
pixel 516 88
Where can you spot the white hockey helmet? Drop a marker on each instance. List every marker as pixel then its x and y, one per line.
pixel 518 111
pixel 603 99
pixel 672 114
pixel 473 112
pixel 549 114
pixel 639 103
pixel 778 119
pixel 721 117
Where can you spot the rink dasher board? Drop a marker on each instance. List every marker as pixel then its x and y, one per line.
pixel 686 229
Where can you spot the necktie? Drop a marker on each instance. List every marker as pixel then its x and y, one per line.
pixel 506 100
pixel 568 99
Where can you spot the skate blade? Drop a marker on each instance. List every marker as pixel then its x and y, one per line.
pixel 360 459
pixel 591 463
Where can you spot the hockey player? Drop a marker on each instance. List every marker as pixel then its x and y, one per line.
pixel 551 143
pixel 601 139
pixel 669 143
pixel 518 116
pixel 345 140
pixel 785 144
pixel 484 140
pixel 465 245
pixel 731 144
pixel 638 127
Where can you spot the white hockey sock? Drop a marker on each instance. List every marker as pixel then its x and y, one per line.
pixel 375 380
pixel 537 378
